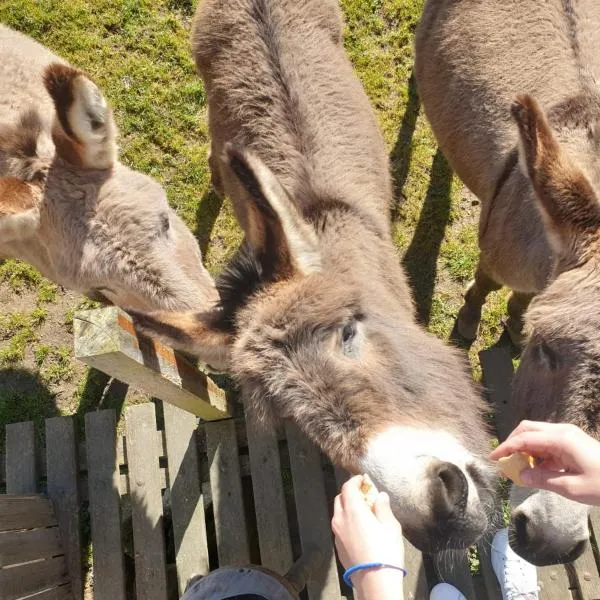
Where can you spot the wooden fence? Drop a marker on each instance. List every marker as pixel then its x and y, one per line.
pixel 172 498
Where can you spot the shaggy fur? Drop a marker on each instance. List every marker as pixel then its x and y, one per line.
pixel 535 166
pixel 320 315
pixel 69 208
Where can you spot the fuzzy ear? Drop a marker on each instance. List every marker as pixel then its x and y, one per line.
pixel 566 199
pixel 194 333
pixel 87 133
pixel 275 227
pixel 19 213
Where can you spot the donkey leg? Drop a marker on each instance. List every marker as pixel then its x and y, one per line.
pixel 517 306
pixel 215 172
pixel 467 322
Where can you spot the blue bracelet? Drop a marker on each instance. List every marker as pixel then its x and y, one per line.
pixel 373 565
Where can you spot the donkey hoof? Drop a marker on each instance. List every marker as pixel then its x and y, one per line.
pixel 467 324
pixel 515 333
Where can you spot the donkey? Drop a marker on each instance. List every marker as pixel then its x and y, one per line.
pixel 315 321
pixel 68 207
pixel 535 166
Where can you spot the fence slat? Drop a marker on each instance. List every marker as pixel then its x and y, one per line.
pixel 105 512
pixel 269 498
pixel 63 490
pixel 187 502
pixel 489 577
pixel 586 575
pixel 62 592
pixel 226 486
pixel 25 512
pixel 415 583
pixel 21 472
pixel 146 502
pixel 21 581
pixel 453 568
pixel 17 547
pixel 313 516
pixel 554 583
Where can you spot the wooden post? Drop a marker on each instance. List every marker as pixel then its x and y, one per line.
pixel 106 339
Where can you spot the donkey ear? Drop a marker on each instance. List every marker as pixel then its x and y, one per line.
pixel 567 201
pixel 194 333
pixel 86 123
pixel 274 219
pixel 19 213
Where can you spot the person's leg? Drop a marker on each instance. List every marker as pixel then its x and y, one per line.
pixel 517 577
pixel 445 591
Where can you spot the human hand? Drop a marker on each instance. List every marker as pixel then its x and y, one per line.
pixel 568 459
pixel 363 535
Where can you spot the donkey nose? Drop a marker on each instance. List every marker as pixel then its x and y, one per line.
pixel 450 489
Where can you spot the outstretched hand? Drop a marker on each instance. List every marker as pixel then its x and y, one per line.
pixel 568 459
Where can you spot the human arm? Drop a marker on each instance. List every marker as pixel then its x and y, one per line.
pixel 568 459
pixel 362 536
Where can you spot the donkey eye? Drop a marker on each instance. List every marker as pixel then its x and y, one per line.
pixel 348 332
pixel 350 339
pixel 546 356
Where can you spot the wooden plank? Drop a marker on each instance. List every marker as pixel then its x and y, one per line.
pixel 313 516
pixel 21 472
pixel 21 581
pixel 187 502
pixel 62 592
pixel 269 498
pixel 146 502
pixel 585 575
pixel 63 490
pixel 554 583
pixel 489 577
pixel 415 582
pixel 106 339
pixel 25 512
pixel 452 567
pixel 496 364
pixel 226 486
pixel 105 511
pixel 17 547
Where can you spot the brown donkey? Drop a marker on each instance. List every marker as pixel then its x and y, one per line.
pixel 68 207
pixel 316 322
pixel 537 174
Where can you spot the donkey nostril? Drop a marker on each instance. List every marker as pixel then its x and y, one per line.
pixel 454 486
pixel 521 521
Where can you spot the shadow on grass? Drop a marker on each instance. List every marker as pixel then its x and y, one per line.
pixel 420 260
pixel 24 397
pixel 206 217
pixel 402 152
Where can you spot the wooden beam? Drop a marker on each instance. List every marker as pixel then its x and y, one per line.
pixel 106 339
pixel 21 472
pixel 25 512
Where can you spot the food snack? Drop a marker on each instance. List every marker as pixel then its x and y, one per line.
pixel 512 466
pixel 369 491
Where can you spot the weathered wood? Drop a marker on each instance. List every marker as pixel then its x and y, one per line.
pixel 226 486
pixel 492 586
pixel 25 512
pixel 21 472
pixel 415 583
pixel 269 498
pixel 62 592
pixel 187 502
pixel 21 581
pixel 146 502
pixel 554 583
pixel 585 574
pixel 234 581
pixel 453 568
pixel 63 490
pixel 106 339
pixel 497 367
pixel 104 499
pixel 18 547
pixel 313 516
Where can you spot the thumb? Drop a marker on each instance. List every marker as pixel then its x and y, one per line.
pixel 382 509
pixel 545 479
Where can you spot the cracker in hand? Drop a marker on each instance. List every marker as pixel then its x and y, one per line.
pixel 512 466
pixel 369 491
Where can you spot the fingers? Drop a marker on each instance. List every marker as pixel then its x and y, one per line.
pixel 383 510
pixel 538 443
pixel 553 481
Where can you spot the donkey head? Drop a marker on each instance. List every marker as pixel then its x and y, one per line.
pixel 559 375
pixel 100 227
pixel 316 326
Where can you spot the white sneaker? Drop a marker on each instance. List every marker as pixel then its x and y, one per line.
pixel 517 577
pixel 445 591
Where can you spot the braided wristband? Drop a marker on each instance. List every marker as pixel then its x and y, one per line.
pixel 366 566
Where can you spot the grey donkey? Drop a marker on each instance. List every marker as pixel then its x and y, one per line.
pixel 316 321
pixel 512 90
pixel 68 207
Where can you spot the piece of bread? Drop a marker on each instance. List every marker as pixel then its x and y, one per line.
pixel 512 466
pixel 369 491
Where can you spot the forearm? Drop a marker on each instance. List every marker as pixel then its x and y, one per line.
pixel 378 584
